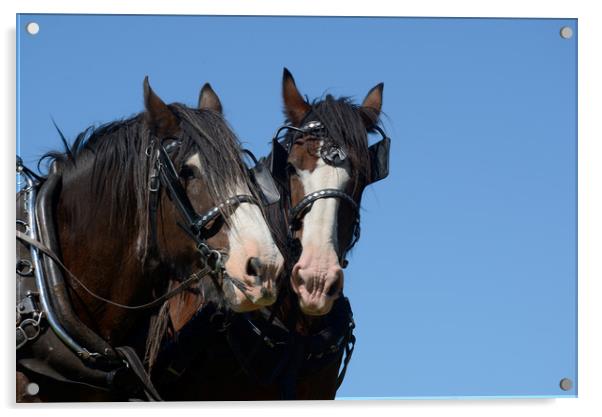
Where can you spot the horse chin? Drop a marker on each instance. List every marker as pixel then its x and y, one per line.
pixel 316 307
pixel 253 298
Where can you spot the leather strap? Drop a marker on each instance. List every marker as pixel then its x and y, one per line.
pixel 349 346
pixel 135 364
pixel 297 213
pixel 309 199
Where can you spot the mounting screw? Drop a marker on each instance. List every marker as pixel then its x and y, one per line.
pixel 32 388
pixel 32 28
pixel 566 32
pixel 566 384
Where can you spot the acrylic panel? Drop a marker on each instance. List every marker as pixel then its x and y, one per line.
pixel 464 280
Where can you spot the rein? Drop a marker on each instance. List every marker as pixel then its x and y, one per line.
pixel 155 303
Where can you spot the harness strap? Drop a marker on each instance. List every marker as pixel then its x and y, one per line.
pixel 297 212
pixel 309 199
pixel 155 303
pixel 288 384
pixel 165 173
pixel 349 346
pixel 202 220
pixel 136 366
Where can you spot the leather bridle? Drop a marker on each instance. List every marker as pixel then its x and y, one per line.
pixel 297 212
pixel 164 174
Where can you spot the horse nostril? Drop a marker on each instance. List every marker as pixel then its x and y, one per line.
pixel 265 293
pixel 254 266
pixel 334 288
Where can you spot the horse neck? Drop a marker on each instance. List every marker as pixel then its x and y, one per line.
pixel 104 257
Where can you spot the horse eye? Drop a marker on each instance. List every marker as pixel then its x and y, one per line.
pixel 291 169
pixel 186 172
pixel 300 141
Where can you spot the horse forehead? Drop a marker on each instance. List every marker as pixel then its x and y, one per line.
pixel 323 175
pixel 306 157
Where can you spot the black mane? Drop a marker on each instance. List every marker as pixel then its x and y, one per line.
pixel 113 164
pixel 345 124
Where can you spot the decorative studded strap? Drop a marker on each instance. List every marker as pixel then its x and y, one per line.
pixel 203 219
pixel 297 212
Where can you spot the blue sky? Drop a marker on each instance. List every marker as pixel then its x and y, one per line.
pixel 464 280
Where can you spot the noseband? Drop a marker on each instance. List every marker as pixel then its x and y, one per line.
pixel 299 211
pixel 164 174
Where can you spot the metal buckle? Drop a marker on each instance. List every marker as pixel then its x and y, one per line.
pixel 154 183
pixel 27 306
pixel 24 267
pixel 149 149
pixel 32 323
pixel 86 354
pixel 23 224
pixel 215 257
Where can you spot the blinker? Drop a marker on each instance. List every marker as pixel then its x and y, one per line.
pixel 332 155
pixel 379 157
pixel 261 175
pixel 265 182
pixel 279 161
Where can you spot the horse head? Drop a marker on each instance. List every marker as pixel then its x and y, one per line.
pixel 225 213
pixel 326 163
pixel 163 195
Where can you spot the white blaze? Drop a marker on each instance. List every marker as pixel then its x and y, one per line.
pixel 319 225
pixel 249 235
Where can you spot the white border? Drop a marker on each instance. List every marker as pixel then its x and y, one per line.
pixel 590 201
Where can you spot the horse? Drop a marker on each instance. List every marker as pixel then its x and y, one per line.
pixel 131 205
pixel 294 349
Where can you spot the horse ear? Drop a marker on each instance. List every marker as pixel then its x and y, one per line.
pixel 160 118
pixel 295 107
pixel 372 105
pixel 208 100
